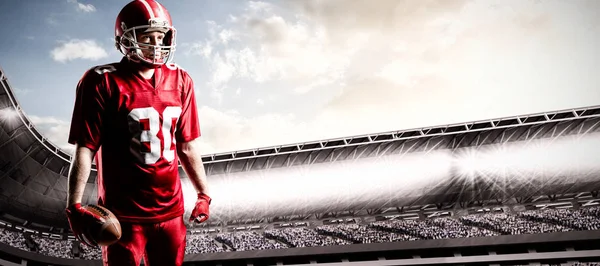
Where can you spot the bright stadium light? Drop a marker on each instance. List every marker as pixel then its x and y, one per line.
pixel 467 163
pixel 561 160
pixel 9 115
pixel 323 187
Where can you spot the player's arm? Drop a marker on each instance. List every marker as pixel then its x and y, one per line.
pixel 79 217
pixel 191 161
pixel 79 173
pixel 188 151
pixel 85 133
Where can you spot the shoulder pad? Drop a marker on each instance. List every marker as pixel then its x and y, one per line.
pixel 104 69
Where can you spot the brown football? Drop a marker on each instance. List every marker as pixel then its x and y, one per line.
pixel 109 232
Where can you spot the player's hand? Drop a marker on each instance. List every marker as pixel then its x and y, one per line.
pixel 200 212
pixel 79 220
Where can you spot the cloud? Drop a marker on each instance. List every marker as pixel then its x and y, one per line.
pixel 200 48
pixel 55 130
pixel 21 92
pixel 392 64
pixel 313 49
pixel 87 8
pixel 78 49
pixel 264 47
pixel 52 20
pixel 230 130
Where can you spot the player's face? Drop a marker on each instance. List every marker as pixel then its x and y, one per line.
pixel 150 38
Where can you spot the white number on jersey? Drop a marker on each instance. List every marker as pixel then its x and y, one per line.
pixel 150 134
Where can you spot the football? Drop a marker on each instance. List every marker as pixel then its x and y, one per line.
pixel 109 232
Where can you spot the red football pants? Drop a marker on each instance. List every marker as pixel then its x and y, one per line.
pixel 160 244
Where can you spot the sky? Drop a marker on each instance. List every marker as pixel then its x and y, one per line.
pixel 280 72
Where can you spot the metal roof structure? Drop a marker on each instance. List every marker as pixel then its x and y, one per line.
pixel 33 171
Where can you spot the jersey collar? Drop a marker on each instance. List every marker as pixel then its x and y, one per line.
pixel 158 73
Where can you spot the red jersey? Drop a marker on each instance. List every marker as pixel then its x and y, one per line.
pixel 134 124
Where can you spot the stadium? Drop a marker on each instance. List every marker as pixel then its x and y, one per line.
pixel 517 190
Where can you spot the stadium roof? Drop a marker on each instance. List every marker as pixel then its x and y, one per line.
pixel 33 171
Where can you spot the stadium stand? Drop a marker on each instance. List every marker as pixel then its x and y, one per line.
pixel 485 225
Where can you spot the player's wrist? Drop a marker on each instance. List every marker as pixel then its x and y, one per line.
pixel 76 210
pixel 72 201
pixel 203 196
pixel 75 207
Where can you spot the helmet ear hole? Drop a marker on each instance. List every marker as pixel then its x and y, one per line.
pixel 168 39
pixel 125 41
pixel 118 42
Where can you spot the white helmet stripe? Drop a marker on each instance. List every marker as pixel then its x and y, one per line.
pixel 148 8
pixel 161 12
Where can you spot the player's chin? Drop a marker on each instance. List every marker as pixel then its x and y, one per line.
pixel 158 60
pixel 148 56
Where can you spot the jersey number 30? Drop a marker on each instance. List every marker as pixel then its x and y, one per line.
pixel 144 124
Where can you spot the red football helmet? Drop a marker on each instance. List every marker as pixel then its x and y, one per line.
pixel 145 16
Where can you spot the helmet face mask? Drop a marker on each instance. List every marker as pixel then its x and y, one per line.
pixel 140 17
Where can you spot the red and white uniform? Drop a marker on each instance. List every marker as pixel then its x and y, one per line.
pixel 134 124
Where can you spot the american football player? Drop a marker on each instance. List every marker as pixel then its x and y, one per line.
pixel 137 118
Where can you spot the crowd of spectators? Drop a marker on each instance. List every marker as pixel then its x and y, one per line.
pixel 438 228
pixel 248 240
pixel 90 253
pixel 575 219
pixel 474 225
pixel 200 243
pixel 360 233
pixel 54 247
pixel 304 237
pixel 453 228
pixel 12 238
pixel 591 211
pixel 510 224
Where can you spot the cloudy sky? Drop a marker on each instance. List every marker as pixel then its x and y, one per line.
pixel 278 72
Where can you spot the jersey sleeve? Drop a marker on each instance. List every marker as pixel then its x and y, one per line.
pixel 88 112
pixel 188 126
